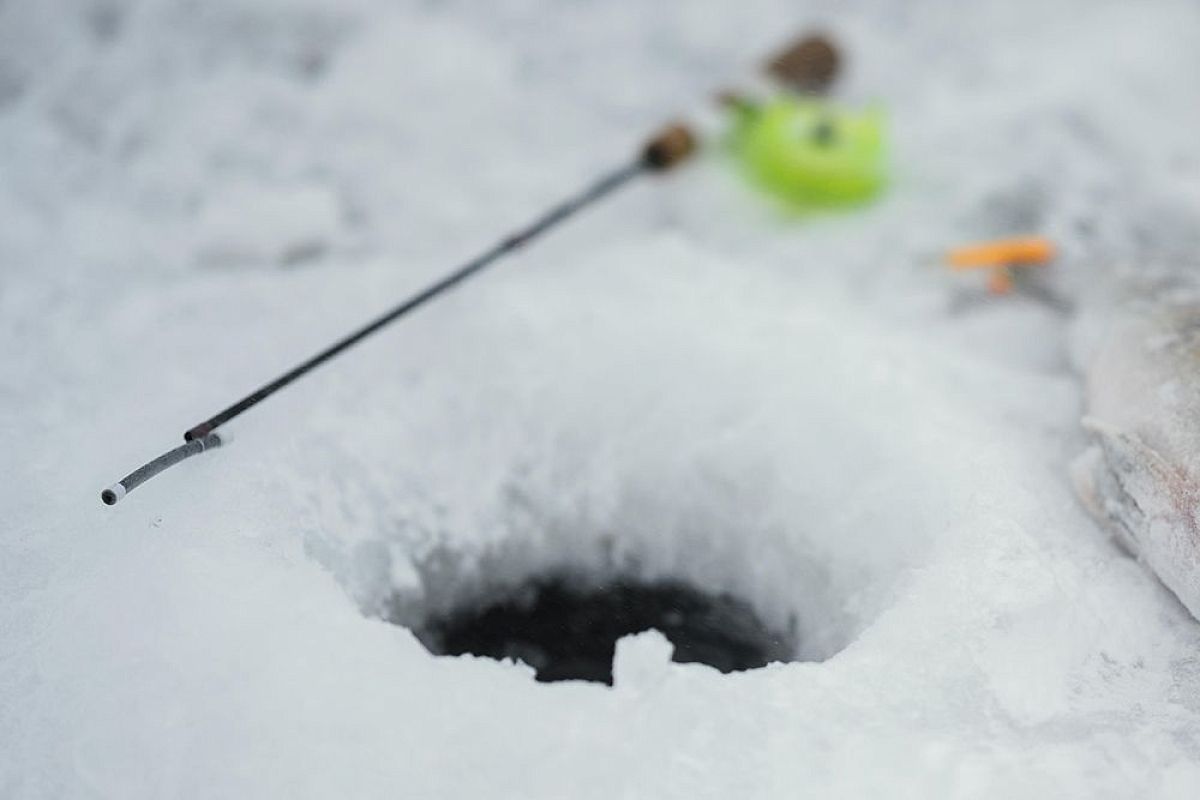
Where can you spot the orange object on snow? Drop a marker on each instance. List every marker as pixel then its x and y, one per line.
pixel 1001 257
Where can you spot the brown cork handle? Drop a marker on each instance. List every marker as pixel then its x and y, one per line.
pixel 669 147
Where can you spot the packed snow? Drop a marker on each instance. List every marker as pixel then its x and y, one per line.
pixel 685 383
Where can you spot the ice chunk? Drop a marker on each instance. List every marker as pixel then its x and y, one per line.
pixel 642 660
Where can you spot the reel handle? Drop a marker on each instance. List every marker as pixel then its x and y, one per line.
pixel 809 64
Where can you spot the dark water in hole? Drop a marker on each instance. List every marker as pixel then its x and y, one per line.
pixel 569 632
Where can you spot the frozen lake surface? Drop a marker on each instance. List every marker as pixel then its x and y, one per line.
pixel 684 385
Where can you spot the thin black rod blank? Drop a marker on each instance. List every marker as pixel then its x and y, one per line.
pixel 203 436
pixel 555 215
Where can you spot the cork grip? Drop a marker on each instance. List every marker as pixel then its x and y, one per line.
pixel 668 147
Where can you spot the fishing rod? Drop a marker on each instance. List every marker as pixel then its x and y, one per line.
pixel 665 150
pixel 809 62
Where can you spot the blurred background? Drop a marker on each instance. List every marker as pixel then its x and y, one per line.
pixel 689 382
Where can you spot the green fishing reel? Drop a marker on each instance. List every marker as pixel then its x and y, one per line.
pixel 810 153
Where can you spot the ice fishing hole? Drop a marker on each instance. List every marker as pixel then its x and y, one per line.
pixel 568 631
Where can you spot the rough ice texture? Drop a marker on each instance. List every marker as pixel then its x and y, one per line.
pixel 1141 475
pixel 686 383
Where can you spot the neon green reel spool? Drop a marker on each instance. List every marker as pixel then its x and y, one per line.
pixel 810 153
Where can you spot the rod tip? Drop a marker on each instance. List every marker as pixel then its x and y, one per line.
pixel 112 494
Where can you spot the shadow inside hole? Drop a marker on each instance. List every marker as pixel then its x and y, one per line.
pixel 569 632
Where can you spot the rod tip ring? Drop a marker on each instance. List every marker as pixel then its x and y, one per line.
pixel 112 494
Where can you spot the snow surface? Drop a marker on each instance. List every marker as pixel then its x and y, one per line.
pixel 685 383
